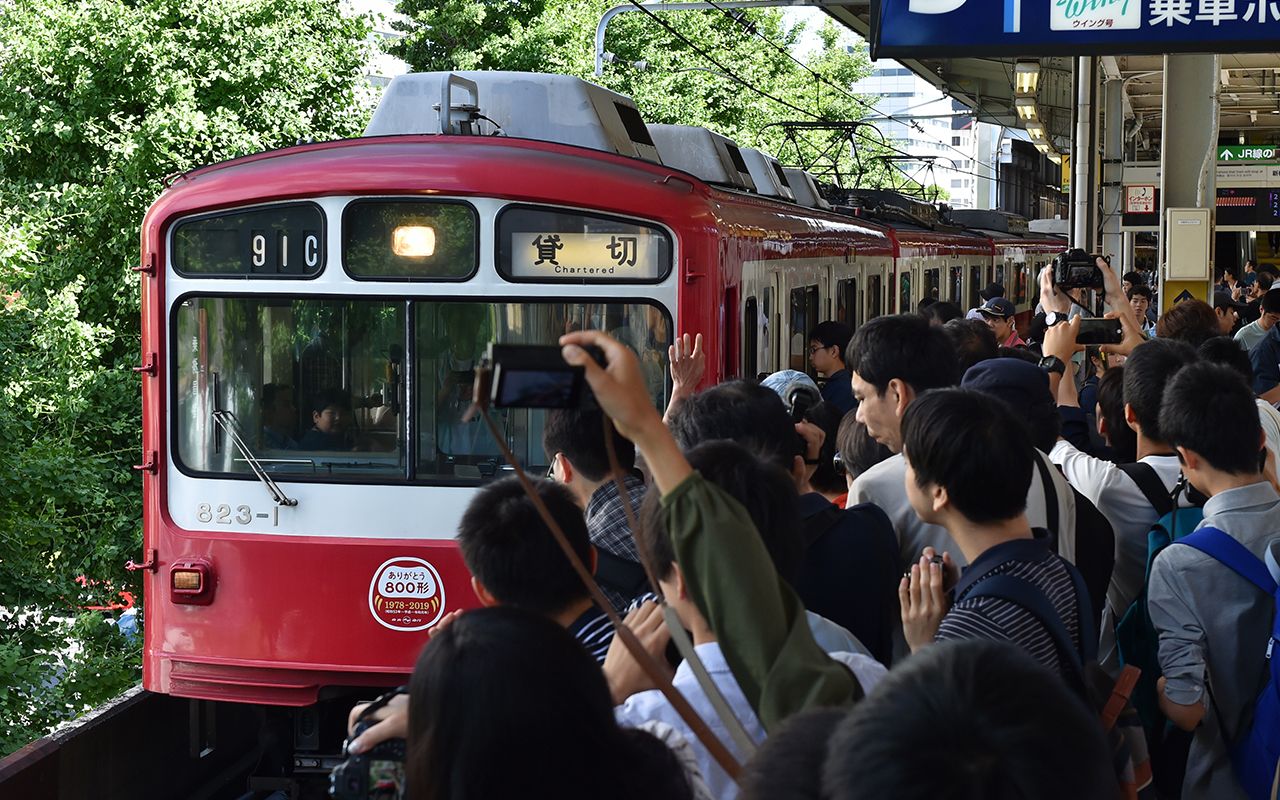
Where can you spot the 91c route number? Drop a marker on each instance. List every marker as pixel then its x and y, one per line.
pixel 239 515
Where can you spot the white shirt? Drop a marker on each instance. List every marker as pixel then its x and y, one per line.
pixel 651 705
pixel 884 484
pixel 1269 417
pixel 1131 515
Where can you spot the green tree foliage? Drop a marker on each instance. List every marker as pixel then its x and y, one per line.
pixel 99 101
pixel 674 83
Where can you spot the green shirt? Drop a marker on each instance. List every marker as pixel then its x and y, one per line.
pixel 757 618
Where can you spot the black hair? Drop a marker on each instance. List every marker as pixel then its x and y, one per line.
pixel 832 334
pixel 502 699
pixel 1146 372
pixel 906 347
pixel 1191 321
pixel 1120 437
pixel 942 312
pixel 959 439
pixel 271 390
pixel 1270 302
pixel 745 412
pixel 1227 351
pixel 766 492
pixel 1134 278
pixel 788 766
pixel 858 450
pixel 509 549
pixel 1021 353
pixel 1139 289
pixel 330 397
pixel 1211 410
pixel 1265 280
pixel 579 434
pixel 924 303
pixel 970 720
pixel 825 479
pixel 974 341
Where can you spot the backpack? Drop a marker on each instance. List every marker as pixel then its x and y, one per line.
pixel 1109 698
pixel 1255 753
pixel 1136 638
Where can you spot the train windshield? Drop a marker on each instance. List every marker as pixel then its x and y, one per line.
pixel 368 390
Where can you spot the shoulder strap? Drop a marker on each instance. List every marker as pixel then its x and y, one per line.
pixel 1050 496
pixel 1031 599
pixel 1222 547
pixel 1149 483
pixel 622 575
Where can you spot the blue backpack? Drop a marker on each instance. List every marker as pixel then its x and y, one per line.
pixel 1255 753
pixel 1136 638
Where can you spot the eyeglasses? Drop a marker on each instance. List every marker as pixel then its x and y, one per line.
pixel 551 470
pixel 813 348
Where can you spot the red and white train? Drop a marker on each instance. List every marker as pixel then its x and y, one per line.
pixel 311 317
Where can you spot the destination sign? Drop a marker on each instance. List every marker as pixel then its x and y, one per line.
pixel 597 256
pixel 945 28
pixel 282 241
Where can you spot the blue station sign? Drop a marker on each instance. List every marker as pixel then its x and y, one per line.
pixel 945 28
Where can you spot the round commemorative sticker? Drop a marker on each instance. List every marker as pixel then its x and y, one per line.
pixel 406 594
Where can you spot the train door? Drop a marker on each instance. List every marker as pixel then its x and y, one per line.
pixel 931 282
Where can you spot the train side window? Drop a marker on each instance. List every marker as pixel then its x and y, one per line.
pixel 804 318
pixel 1000 275
pixel 957 285
pixel 875 296
pixel 731 340
pixel 975 285
pixel 847 302
pixel 904 299
pixel 750 337
pixel 1020 283
pixel 313 387
pixel 768 328
pixel 450 338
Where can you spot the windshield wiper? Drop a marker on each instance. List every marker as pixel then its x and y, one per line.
pixel 227 421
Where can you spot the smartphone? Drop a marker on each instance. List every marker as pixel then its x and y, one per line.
pixel 1099 330
pixel 533 376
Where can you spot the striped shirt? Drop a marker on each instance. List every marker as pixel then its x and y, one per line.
pixel 594 631
pixel 999 619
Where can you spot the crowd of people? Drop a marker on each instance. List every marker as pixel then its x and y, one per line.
pixel 976 562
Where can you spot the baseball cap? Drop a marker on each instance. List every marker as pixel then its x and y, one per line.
pixel 998 307
pixel 1019 383
pixel 992 290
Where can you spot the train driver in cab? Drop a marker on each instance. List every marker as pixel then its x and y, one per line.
pixel 999 315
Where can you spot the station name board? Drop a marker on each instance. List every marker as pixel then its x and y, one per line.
pixel 945 28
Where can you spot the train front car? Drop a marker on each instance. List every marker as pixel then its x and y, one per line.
pixel 312 319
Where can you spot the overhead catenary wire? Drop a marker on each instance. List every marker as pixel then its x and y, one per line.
pixel 746 25
pixel 729 73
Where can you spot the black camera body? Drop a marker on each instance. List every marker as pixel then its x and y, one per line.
pixel 1076 269
pixel 537 376
pixel 377 774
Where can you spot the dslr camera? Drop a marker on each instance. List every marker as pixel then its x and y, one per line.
pixel 1076 269
pixel 374 775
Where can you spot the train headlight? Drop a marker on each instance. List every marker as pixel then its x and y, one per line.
pixel 413 241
